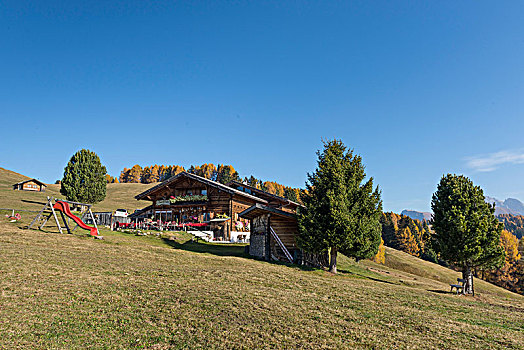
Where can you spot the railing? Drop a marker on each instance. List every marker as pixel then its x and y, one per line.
pixel 281 245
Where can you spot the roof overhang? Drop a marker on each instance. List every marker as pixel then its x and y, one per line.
pixel 268 195
pixel 258 210
pixel 29 180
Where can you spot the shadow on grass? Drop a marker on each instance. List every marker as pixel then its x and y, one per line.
pixel 32 202
pixel 241 252
pixel 349 272
pixel 226 249
pixel 439 291
pixel 210 248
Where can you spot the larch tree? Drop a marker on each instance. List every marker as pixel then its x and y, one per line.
pixel 135 174
pixel 467 233
pixel 226 174
pixel 380 258
pixel 342 210
pixel 84 178
pixel 407 242
pixel 506 276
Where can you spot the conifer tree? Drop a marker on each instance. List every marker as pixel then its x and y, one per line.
pixel 124 174
pixel 84 178
pixel 407 241
pixel 342 210
pixel 380 258
pixel 226 174
pixel 467 234
pixel 135 174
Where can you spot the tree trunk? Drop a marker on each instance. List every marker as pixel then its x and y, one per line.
pixel 467 275
pixel 333 260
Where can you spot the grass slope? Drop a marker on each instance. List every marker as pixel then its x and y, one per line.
pixel 70 291
pixel 118 195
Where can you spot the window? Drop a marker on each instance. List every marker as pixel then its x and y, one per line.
pixel 204 192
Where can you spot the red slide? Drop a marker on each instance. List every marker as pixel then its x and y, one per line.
pixel 64 207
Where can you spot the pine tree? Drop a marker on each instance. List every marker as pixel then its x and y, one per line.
pixel 341 210
pixel 467 234
pixel 84 178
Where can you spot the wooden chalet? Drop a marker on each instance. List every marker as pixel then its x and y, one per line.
pixel 30 185
pixel 188 198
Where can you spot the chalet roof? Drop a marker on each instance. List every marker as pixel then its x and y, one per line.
pixel 259 209
pixel 29 180
pixel 140 212
pixel 264 193
pixel 200 179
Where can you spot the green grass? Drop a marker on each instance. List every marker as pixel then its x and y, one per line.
pixel 118 195
pixel 127 291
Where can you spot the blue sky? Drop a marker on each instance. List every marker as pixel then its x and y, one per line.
pixel 419 89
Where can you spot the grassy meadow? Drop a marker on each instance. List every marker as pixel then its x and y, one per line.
pixel 127 291
pixel 118 195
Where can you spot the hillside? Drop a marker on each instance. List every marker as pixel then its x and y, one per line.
pixel 70 291
pixel 118 195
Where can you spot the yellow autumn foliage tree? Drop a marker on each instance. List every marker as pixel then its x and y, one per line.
pixel 380 258
pixel 407 242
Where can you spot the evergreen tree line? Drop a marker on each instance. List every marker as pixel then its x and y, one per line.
pixel 222 173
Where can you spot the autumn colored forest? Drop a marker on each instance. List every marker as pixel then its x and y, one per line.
pixel 414 237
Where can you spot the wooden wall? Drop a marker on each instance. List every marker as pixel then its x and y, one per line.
pixel 286 229
pixel 30 186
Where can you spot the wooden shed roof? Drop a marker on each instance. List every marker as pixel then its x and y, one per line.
pixel 200 179
pixel 264 194
pixel 30 180
pixel 259 209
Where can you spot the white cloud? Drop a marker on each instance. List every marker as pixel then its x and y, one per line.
pixel 491 161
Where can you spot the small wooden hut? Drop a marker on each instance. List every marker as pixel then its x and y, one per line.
pixel 30 185
pixel 273 233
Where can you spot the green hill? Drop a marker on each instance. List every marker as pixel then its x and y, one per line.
pixel 126 291
pixel 118 195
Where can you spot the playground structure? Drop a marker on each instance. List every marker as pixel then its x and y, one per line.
pixel 62 206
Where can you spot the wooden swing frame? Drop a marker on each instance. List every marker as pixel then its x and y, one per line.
pixel 52 212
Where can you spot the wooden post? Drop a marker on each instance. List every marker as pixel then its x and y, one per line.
pixel 39 215
pixel 268 238
pixel 65 222
pixel 93 218
pixel 56 219
pixel 230 215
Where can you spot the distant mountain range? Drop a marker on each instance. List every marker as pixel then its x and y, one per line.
pixel 417 215
pixel 508 206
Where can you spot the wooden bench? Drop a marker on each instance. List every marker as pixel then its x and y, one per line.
pixel 458 287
